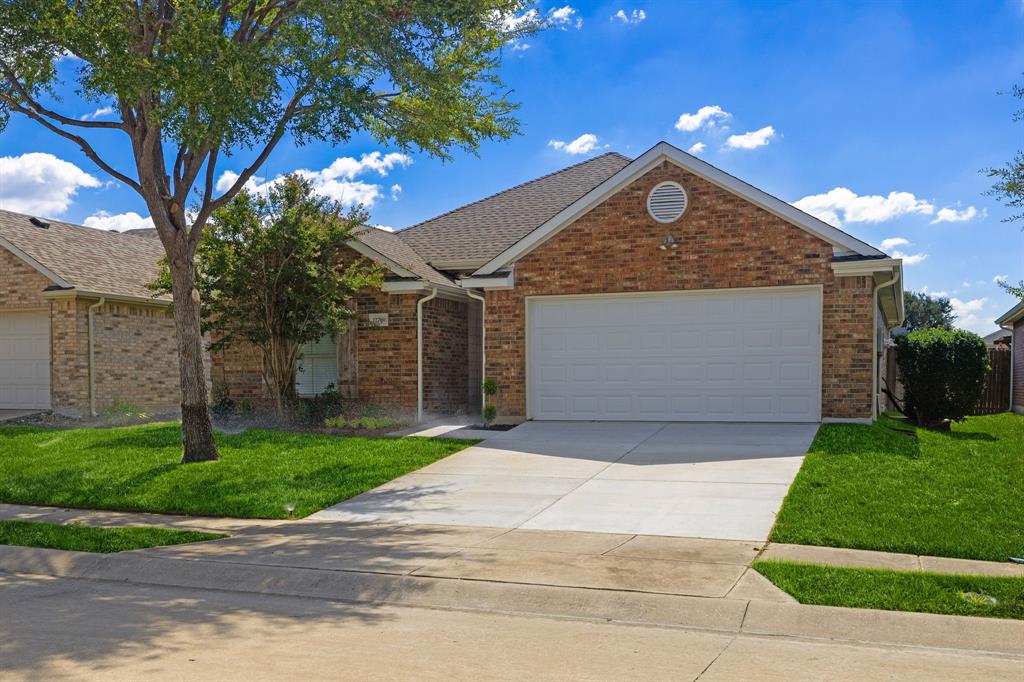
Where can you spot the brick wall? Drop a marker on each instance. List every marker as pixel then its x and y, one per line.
pixel 236 372
pixel 135 355
pixel 69 356
pixel 21 285
pixel 1018 366
pixel 725 242
pixel 386 356
pixel 445 357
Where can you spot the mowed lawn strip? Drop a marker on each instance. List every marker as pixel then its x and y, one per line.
pixel 956 494
pixel 261 474
pixel 897 591
pixel 92 539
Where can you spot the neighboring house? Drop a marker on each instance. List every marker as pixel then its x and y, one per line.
pixel 1013 320
pixel 657 288
pixel 78 328
pixel 1000 337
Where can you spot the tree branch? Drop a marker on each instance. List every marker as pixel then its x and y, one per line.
pixel 43 111
pixel 83 145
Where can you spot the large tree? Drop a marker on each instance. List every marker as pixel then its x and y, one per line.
pixel 193 81
pixel 927 312
pixel 268 273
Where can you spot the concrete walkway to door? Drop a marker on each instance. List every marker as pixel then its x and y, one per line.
pixel 706 480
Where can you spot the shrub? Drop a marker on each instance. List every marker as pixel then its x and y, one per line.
pixel 314 410
pixel 121 412
pixel 943 374
pixel 490 386
pixel 222 405
pixel 490 412
pixel 366 423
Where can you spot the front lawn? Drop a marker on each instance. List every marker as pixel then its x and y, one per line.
pixel 956 494
pixel 93 539
pixel 898 591
pixel 261 474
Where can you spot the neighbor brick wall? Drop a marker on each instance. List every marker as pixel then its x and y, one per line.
pixel 21 285
pixel 1017 345
pixel 445 356
pixel 725 242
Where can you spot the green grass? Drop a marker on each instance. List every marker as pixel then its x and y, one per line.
pixel 92 539
pixel 957 494
pixel 895 590
pixel 261 474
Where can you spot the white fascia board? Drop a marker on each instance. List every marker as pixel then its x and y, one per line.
pixel 457 264
pixel 412 286
pixel 870 266
pixel 500 281
pixel 36 265
pixel 1011 316
pixel 122 298
pixel 647 161
pixel 362 249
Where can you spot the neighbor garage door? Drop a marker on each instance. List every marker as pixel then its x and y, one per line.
pixel 730 355
pixel 24 360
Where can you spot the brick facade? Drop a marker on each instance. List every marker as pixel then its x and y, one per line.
pixel 1017 344
pixel 725 242
pixel 21 285
pixel 445 356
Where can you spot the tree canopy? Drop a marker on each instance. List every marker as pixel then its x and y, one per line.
pixel 927 312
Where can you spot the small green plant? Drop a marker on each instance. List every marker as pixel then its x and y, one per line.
pixel 943 374
pixel 366 423
pixel 246 406
pixel 121 412
pixel 318 408
pixel 222 405
pixel 489 387
pixel 490 412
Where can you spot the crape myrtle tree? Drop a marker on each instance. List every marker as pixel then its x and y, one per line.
pixel 193 81
pixel 268 275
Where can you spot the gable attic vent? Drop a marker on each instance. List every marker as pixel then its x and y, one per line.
pixel 39 222
pixel 666 202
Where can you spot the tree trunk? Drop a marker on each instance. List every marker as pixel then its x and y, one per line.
pixel 196 429
pixel 280 359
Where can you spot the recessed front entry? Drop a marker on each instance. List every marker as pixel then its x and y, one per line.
pixel 727 355
pixel 25 360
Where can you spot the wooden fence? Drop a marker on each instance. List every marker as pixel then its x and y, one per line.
pixel 996 397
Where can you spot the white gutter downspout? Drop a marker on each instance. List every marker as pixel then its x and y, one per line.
pixel 483 344
pixel 419 352
pixel 92 364
pixel 874 343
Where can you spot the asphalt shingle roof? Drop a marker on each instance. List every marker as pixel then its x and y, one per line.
pixel 485 228
pixel 390 246
pixel 88 259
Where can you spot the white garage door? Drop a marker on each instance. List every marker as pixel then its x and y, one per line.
pixel 732 355
pixel 24 360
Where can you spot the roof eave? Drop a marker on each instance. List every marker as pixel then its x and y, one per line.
pixel 36 265
pixel 1011 316
pixel 69 292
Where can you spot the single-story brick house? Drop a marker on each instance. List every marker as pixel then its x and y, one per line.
pixel 1013 320
pixel 78 328
pixel 654 288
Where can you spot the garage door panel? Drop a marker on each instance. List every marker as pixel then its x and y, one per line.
pixel 24 360
pixel 728 356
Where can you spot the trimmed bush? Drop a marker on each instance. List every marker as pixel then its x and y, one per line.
pixel 943 374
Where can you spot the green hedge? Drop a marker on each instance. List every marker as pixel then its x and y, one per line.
pixel 943 373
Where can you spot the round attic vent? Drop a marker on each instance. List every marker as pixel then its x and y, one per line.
pixel 666 202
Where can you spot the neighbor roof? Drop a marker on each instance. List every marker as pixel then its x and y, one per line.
pixel 483 229
pixel 84 258
pixel 388 245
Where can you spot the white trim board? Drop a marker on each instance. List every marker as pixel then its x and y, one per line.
pixel 648 160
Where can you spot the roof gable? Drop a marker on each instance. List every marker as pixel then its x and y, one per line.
pixel 481 230
pixel 663 151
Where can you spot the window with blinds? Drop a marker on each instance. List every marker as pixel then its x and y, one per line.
pixel 318 367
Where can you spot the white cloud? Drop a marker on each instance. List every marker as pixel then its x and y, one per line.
pixel 520 47
pixel 892 243
pixel 968 314
pixel 862 209
pixel 697 148
pixel 936 294
pixel 751 140
pixel 99 113
pixel 706 116
pixel 40 183
pixel 118 222
pixel 952 215
pixel 584 144
pixel 386 228
pixel 515 22
pixel 396 190
pixel 337 181
pixel 910 258
pixel 564 17
pixel 632 19
pixel 1000 279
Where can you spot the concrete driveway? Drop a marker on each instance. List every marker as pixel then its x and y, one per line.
pixel 707 480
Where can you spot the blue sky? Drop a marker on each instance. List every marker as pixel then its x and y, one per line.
pixel 876 117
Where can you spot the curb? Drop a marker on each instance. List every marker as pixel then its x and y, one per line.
pixel 739 616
